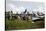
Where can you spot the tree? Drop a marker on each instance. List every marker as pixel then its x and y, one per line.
pixel 25 10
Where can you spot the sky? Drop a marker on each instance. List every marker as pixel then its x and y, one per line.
pixel 20 6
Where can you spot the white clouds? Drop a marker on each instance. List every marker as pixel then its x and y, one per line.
pixel 20 9
pixel 15 9
pixel 21 6
pixel 10 7
pixel 40 9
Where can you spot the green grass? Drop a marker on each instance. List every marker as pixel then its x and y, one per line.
pixel 18 24
pixel 38 24
pixel 22 24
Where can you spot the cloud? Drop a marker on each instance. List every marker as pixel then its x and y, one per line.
pixel 10 7
pixel 41 9
pixel 15 9
pixel 20 9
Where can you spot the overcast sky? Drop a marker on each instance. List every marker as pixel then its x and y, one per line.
pixel 20 6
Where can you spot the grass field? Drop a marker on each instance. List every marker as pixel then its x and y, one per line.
pixel 18 24
pixel 22 24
